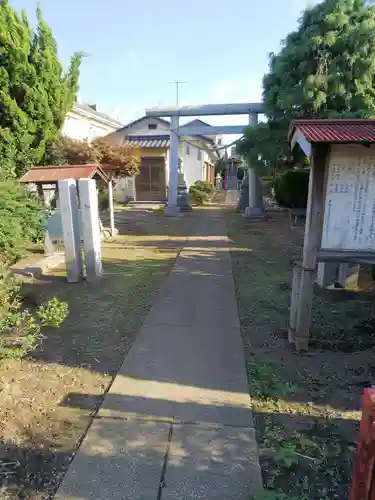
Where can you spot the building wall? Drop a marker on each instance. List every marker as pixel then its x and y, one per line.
pixel 78 126
pixel 124 189
pixel 192 163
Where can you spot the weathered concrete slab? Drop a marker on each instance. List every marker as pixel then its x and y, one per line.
pixel 118 459
pixel 206 463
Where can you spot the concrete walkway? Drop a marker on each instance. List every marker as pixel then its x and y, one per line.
pixel 176 423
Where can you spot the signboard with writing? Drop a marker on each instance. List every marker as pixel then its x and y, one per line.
pixel 349 215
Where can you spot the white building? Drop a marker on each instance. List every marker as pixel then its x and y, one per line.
pixel 152 136
pixel 85 122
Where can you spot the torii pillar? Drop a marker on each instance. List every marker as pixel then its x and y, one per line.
pixel 172 209
pixel 255 208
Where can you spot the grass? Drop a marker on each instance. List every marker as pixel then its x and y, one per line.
pixel 306 408
pixel 47 400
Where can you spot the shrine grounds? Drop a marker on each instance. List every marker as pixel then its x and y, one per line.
pixel 306 407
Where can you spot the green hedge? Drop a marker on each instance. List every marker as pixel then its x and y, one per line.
pixel 201 191
pixel 204 186
pixel 21 221
pixel 291 188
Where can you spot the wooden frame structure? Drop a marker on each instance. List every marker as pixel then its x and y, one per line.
pixel 316 138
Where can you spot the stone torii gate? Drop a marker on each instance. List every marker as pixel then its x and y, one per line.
pixel 174 113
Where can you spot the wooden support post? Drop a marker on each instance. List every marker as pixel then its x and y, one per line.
pixel 313 234
pixel 111 210
pixel 294 302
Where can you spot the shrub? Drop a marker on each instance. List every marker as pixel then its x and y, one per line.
pixel 20 331
pixel 53 313
pixel 291 188
pixel 197 196
pixel 205 186
pixel 21 221
pixel 103 198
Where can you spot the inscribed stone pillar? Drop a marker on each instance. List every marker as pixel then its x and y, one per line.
pixel 90 224
pixel 71 229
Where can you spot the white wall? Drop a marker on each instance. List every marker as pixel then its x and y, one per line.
pixel 81 127
pixel 142 128
pixel 192 164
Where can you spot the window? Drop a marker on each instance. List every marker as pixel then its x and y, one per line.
pixel 187 149
pixel 199 154
pixel 152 126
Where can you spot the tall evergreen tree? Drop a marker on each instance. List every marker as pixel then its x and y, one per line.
pixel 35 92
pixel 324 69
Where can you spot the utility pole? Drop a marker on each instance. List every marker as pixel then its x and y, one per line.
pixel 177 83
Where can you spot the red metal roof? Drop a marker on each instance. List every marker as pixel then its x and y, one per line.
pixel 54 173
pixel 339 130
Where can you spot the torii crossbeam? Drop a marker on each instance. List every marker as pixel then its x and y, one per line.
pixel 250 109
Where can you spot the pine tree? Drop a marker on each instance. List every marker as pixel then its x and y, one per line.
pixel 35 92
pixel 325 69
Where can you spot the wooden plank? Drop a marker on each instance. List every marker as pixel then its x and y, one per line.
pixel 313 232
pixel 294 303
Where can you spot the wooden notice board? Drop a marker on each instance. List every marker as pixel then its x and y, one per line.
pixel 349 212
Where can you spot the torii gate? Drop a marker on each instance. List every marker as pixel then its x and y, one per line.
pixel 250 109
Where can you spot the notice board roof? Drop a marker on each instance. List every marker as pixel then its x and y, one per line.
pixel 344 131
pixel 54 173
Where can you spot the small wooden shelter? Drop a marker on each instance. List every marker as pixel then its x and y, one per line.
pixel 46 179
pixel 340 218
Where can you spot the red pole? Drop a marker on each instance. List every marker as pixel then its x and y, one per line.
pixel 363 482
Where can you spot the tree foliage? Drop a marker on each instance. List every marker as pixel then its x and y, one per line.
pixel 21 221
pixel 325 69
pixel 123 159
pixel 35 92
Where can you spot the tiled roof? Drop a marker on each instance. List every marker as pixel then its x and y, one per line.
pixel 148 141
pixel 344 130
pixel 54 173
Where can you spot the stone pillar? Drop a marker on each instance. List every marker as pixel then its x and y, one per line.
pixel 90 224
pixel 327 273
pixel 172 208
pixel 71 229
pixel 348 278
pixel 255 207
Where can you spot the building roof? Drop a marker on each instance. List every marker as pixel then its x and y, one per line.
pixel 92 110
pixel 334 131
pixel 54 173
pixel 160 120
pixel 147 141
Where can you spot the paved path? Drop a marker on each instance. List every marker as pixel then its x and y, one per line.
pixel 176 423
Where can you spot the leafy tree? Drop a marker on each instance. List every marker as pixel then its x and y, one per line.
pixel 326 68
pixel 35 92
pixel 123 159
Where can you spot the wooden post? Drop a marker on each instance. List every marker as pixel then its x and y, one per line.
pixel 313 235
pixel 294 302
pixel 111 210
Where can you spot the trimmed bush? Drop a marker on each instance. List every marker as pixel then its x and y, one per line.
pixel 205 186
pixel 197 196
pixel 291 188
pixel 103 200
pixel 22 219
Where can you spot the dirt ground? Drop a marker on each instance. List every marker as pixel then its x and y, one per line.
pixel 47 400
pixel 307 407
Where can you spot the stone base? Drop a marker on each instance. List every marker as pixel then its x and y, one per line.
pixel 183 202
pixel 172 211
pixel 254 212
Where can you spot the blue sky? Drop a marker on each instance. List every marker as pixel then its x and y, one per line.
pixel 219 48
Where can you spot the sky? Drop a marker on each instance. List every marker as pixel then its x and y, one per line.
pixel 135 49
